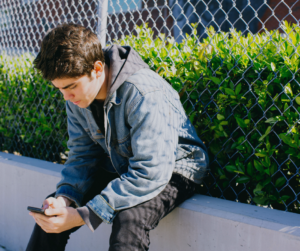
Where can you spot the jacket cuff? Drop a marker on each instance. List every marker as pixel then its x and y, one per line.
pixel 102 209
pixel 89 217
pixel 70 193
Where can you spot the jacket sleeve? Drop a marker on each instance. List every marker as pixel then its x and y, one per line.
pixel 154 138
pixel 84 159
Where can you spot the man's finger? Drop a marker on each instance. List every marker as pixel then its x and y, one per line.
pixel 49 201
pixel 37 215
pixel 42 223
pixel 55 211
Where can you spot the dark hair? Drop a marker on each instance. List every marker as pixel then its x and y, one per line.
pixel 69 50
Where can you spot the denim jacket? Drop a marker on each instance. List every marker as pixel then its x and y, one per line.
pixel 147 137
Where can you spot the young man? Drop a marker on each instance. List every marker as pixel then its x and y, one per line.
pixel 134 155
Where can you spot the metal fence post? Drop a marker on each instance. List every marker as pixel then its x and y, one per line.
pixel 102 21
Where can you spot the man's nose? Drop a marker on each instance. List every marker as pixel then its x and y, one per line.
pixel 67 94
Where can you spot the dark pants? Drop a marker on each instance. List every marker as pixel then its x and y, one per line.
pixel 130 229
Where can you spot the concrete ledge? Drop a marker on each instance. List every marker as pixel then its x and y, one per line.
pixel 201 223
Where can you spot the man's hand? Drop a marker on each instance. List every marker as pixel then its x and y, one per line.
pixel 60 217
pixel 56 202
pixel 57 220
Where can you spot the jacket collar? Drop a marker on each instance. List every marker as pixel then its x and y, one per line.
pixel 123 62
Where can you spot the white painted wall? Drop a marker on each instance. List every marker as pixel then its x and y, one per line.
pixel 201 223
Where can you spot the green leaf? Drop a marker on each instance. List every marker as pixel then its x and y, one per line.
pixel 29 140
pixel 296 138
pixel 288 89
pixel 268 130
pixel 266 182
pixel 229 92
pixel 264 163
pixel 64 143
pixel 258 166
pixel 221 172
pixel 258 188
pixel 217 81
pixel 3 129
pixel 273 66
pixel 280 182
pixel 231 168
pixel 297 100
pixel 260 200
pixel 271 120
pixel 215 148
pixel 238 89
pixel 273 169
pixel 241 148
pixel 224 123
pixel 194 95
pixel 241 139
pixel 241 167
pixel 272 197
pixel 287 140
pixel 260 155
pixel 30 88
pixel 240 172
pixel 285 197
pixel 250 169
pixel 268 161
pixel 10 117
pixel 220 117
pixel 192 117
pixel 241 122
pixel 243 179
pixel 266 133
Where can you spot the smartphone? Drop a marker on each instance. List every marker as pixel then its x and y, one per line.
pixel 36 210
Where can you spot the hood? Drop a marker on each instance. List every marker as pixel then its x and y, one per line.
pixel 123 62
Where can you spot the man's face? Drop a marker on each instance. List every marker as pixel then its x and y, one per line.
pixel 81 90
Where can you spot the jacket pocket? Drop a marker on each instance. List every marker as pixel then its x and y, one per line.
pixel 90 135
pixel 123 147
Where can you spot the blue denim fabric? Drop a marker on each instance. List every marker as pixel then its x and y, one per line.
pixel 148 137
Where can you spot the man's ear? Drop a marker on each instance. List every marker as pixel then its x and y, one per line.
pixel 99 68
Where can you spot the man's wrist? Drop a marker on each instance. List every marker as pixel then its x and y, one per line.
pixel 80 220
pixel 68 202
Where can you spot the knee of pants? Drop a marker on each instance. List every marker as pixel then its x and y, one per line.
pixel 129 232
pixel 129 218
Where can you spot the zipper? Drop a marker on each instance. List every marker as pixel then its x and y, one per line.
pixel 106 120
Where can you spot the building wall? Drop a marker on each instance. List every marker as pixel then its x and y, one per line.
pixel 155 13
pixel 23 23
pixel 281 12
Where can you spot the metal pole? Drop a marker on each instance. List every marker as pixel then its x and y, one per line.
pixel 102 21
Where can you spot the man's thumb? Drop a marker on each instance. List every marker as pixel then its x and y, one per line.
pixel 49 202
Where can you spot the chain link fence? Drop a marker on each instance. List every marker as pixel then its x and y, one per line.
pixel 29 119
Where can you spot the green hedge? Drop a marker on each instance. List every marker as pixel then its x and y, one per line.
pixel 32 112
pixel 241 93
